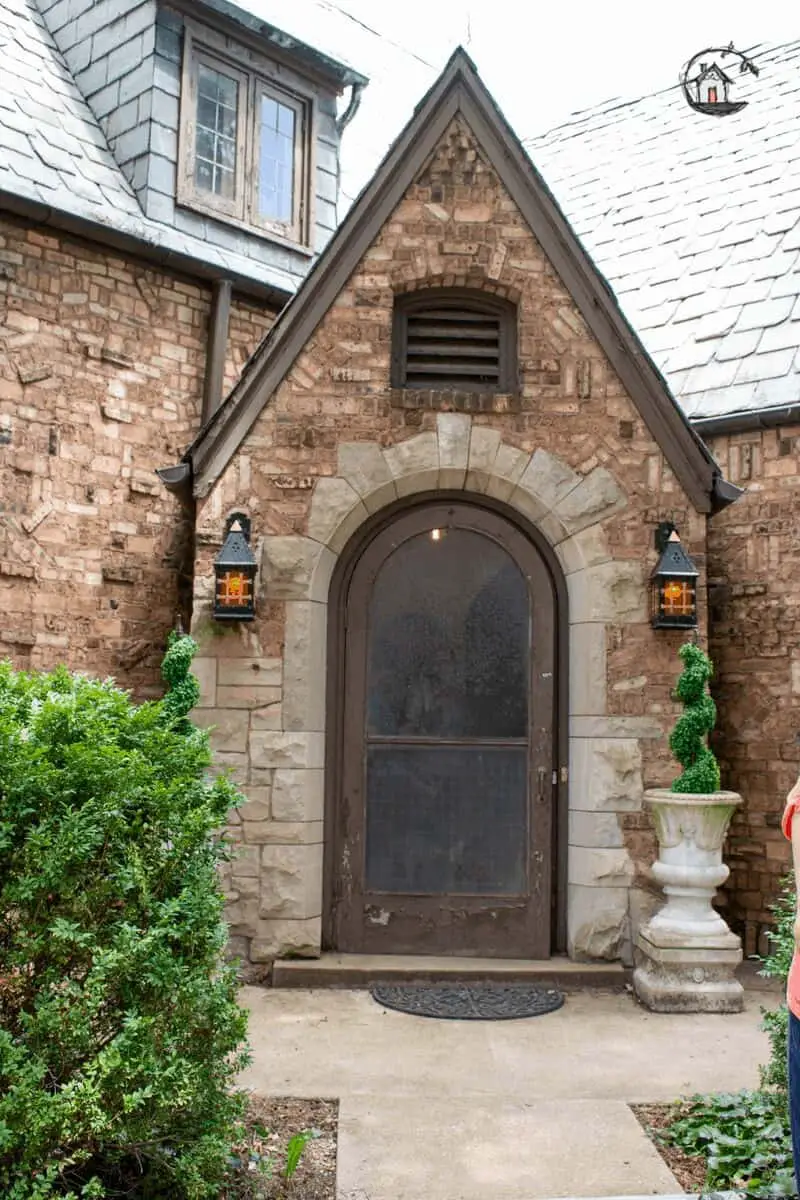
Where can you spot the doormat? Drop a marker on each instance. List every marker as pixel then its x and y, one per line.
pixel 468 1001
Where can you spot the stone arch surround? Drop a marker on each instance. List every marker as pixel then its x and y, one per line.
pixel 276 894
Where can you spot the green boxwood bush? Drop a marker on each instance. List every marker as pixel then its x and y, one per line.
pixel 120 1034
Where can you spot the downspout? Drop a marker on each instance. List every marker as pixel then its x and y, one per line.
pixel 219 320
pixel 342 121
pixel 178 479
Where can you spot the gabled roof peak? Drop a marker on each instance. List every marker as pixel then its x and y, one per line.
pixel 458 91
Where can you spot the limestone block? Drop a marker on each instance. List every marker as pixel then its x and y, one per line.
pixel 588 685
pixel 291 881
pixel 229 727
pixel 251 672
pixel 277 939
pixel 366 470
pixel 548 478
pixel 414 464
pixel 246 887
pixel 596 867
pixel 235 766
pixel 681 980
pixel 594 830
pixel 269 748
pixel 247 863
pixel 597 921
pixel 205 672
pixel 282 833
pixel 245 696
pixel 584 549
pixel 484 444
pixel 298 795
pixel 615 727
pixel 611 591
pixel 454 434
pixel 605 775
pixel 267 717
pixel 257 805
pixel 336 512
pixel 506 471
pixel 242 916
pixel 303 701
pixel 597 496
pixel 290 568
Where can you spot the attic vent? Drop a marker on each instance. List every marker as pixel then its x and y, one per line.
pixel 454 341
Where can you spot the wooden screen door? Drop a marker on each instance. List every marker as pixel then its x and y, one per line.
pixel 444 821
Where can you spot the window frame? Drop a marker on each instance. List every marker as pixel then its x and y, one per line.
pixel 408 304
pixel 242 211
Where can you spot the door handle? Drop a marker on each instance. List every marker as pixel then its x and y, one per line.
pixel 541 794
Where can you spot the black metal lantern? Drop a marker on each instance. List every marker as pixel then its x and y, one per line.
pixel 235 574
pixel 673 584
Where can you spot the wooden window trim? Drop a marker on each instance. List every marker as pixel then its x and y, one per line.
pixel 408 304
pixel 242 211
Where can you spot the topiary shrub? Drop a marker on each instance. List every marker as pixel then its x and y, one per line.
pixel 120 1034
pixel 688 739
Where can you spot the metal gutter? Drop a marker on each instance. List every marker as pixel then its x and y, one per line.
pixel 742 422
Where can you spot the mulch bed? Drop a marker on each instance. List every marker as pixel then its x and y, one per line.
pixel 690 1171
pixel 315 1177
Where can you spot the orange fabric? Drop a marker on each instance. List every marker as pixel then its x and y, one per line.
pixel 793 982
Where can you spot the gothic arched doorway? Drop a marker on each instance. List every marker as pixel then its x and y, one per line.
pixel 443 823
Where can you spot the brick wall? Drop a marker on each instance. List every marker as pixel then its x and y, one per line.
pixel 456 226
pixel 101 374
pixel 753 573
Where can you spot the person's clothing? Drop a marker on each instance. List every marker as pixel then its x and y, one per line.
pixel 794 1091
pixel 793 982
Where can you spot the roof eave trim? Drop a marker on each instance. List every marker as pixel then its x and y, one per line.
pixel 106 235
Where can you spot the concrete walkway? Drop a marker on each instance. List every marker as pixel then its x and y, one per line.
pixel 507 1110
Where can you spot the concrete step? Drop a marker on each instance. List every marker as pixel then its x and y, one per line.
pixel 360 970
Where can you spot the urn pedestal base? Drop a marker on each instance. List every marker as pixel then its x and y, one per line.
pixel 682 979
pixel 685 956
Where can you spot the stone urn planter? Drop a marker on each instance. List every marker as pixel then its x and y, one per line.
pixel 686 955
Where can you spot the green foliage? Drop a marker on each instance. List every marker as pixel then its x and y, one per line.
pixel 745 1138
pixel 120 1034
pixel 688 739
pixel 294 1151
pixel 776 966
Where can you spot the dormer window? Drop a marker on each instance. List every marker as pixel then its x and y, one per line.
pixel 244 145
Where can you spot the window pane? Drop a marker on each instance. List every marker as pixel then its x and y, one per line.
pixel 444 819
pixel 276 160
pixel 449 640
pixel 215 142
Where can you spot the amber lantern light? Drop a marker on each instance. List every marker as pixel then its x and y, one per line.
pixel 673 584
pixel 235 574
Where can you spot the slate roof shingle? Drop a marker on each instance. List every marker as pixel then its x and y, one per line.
pixel 695 222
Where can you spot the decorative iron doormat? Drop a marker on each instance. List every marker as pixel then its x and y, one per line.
pixel 468 1001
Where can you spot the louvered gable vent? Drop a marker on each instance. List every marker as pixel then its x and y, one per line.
pixel 453 341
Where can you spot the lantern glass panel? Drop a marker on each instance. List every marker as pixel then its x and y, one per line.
pixel 234 590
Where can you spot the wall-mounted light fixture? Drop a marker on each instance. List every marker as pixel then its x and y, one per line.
pixel 673 584
pixel 235 573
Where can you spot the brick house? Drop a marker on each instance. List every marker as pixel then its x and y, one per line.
pixel 134 283
pixel 451 436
